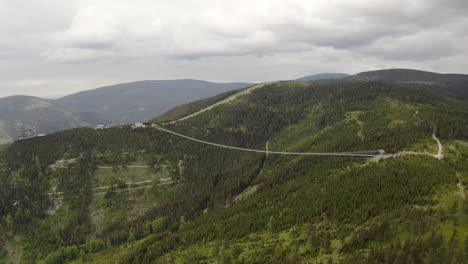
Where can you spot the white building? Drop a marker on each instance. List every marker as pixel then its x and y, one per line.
pixel 138 125
pixel 101 127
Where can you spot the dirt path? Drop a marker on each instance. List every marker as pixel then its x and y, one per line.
pixel 129 166
pixel 252 189
pixel 159 182
pixel 245 193
pixel 56 166
pixel 136 188
pixel 224 101
pixel 355 117
pixel 63 162
pixel 440 148
pixel 265 160
pixel 127 183
pixel 439 155
pixel 461 187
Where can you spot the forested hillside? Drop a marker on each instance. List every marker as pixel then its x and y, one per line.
pixel 124 195
pixel 454 85
pixel 144 100
pixel 189 108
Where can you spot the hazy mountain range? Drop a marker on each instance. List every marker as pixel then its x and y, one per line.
pixel 138 101
pixel 47 115
pixel 116 104
pixel 142 100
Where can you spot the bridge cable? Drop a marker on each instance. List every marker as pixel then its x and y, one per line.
pixel 352 154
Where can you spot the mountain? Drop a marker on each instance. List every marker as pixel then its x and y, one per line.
pixel 116 104
pixel 454 85
pixel 190 108
pixel 47 115
pixel 138 101
pixel 144 195
pixel 322 76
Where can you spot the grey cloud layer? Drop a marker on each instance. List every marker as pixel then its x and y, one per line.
pixel 353 35
pixel 97 32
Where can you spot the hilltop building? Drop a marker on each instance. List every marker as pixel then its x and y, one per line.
pixel 24 131
pixel 101 127
pixel 138 125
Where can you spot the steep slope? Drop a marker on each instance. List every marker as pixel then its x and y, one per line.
pixel 190 108
pixel 293 209
pixel 454 85
pixel 215 103
pixel 46 115
pixel 139 101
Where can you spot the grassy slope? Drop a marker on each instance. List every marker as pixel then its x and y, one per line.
pixel 189 108
pixel 224 101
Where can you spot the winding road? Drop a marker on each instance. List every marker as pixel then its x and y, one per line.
pixel 440 148
pixel 439 155
pixel 128 184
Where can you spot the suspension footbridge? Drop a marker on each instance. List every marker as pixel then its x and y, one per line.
pixel 370 153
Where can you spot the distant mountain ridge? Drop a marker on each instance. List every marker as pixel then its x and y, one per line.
pixel 321 76
pixel 137 101
pixel 144 100
pixel 46 115
pixel 116 104
pixel 453 85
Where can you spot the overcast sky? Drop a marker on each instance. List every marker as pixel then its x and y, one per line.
pixel 56 47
